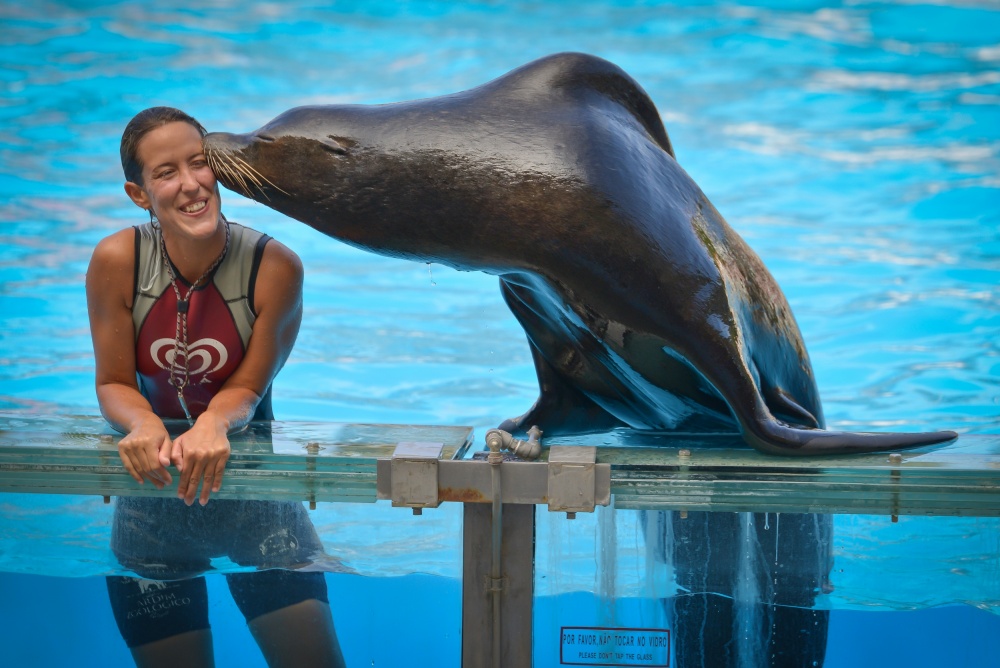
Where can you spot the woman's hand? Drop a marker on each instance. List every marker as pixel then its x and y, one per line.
pixel 145 452
pixel 200 454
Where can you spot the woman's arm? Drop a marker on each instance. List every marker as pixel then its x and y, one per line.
pixel 201 453
pixel 145 448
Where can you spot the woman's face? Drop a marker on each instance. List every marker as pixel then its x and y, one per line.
pixel 177 182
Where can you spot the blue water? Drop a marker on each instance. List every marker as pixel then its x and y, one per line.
pixel 856 146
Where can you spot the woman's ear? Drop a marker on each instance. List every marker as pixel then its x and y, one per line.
pixel 137 195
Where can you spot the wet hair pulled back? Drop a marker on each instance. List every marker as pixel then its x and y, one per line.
pixel 141 124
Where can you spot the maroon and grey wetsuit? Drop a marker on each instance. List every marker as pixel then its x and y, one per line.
pixel 219 320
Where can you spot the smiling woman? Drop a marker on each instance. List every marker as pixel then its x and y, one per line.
pixel 213 309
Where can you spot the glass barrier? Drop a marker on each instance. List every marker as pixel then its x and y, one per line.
pixel 628 587
pixel 709 553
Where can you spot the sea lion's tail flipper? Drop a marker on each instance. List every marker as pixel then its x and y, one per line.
pixel 784 407
pixel 773 437
pixel 775 422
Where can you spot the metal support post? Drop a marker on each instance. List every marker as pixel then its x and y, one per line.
pixel 516 583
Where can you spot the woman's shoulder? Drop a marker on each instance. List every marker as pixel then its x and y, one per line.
pixel 275 251
pixel 280 264
pixel 279 278
pixel 268 250
pixel 115 250
pixel 111 274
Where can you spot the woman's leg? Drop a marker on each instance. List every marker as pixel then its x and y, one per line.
pixel 301 634
pixel 289 615
pixel 164 623
pixel 192 649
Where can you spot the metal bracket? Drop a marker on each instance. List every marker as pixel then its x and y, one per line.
pixel 414 469
pixel 572 479
pixel 491 584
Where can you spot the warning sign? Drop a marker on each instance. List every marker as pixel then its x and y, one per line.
pixel 601 646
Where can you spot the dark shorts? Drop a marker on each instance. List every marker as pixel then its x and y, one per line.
pixel 169 544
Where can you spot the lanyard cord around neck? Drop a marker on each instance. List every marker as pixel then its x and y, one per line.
pixel 180 375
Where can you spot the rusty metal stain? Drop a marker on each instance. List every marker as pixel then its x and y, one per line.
pixel 462 495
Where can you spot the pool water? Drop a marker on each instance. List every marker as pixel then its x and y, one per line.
pixel 855 146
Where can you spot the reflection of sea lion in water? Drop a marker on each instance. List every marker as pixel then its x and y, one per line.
pixel 641 305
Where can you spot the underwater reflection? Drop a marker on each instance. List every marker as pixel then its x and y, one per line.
pixel 170 546
pixel 748 582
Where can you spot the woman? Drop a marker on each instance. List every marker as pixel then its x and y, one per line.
pixel 192 317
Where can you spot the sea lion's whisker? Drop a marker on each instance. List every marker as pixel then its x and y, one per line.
pixel 240 171
pixel 250 170
pixel 248 173
pixel 236 176
pixel 224 166
pixel 239 174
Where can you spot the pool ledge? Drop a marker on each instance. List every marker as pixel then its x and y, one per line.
pixel 326 461
pixel 720 473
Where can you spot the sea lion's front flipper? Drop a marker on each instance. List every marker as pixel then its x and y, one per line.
pixel 560 408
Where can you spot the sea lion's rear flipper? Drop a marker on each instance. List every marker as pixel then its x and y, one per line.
pixel 766 432
pixel 772 437
pixel 785 408
pixel 771 433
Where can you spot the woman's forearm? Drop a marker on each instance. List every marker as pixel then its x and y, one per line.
pixel 124 407
pixel 232 408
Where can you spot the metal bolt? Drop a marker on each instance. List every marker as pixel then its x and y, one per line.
pixel 106 438
pixel 895 518
pixel 312 505
pixel 418 511
pixel 684 454
pixel 684 514
pixel 896 458
pixel 571 516
pixel 312 448
pixel 107 500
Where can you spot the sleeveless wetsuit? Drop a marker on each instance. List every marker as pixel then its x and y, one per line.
pixel 162 540
pixel 219 320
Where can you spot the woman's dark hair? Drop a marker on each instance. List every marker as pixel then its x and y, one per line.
pixel 143 122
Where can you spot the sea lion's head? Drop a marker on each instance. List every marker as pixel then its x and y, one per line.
pixel 298 163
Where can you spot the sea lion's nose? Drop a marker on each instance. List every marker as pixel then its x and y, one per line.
pixel 224 142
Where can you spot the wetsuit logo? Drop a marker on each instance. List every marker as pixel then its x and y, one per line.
pixel 155 599
pixel 146 585
pixel 279 543
pixel 203 356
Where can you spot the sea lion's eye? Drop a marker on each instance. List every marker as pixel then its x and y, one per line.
pixel 338 145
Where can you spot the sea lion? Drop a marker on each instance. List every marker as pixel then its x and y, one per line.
pixel 642 307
